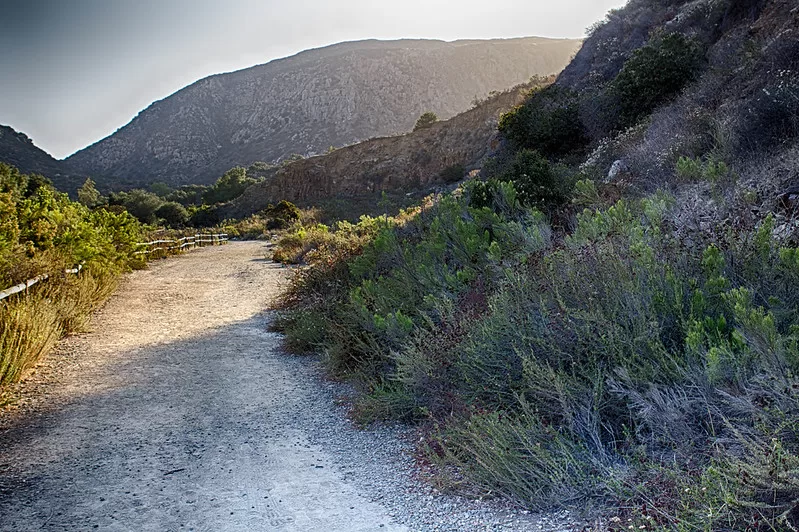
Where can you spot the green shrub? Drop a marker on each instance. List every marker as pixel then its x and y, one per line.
pixel 548 122
pixel 453 174
pixel 425 121
pixel 204 216
pixel 654 74
pixel 42 232
pixel 282 215
pixel 535 181
pixel 628 362
pixel 708 170
pixel 523 458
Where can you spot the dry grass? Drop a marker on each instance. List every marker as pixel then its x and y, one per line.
pixel 31 323
pixel 29 328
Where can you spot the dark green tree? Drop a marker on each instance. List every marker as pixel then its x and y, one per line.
pixel 141 204
pixel 160 188
pixel 231 185
pixel 173 214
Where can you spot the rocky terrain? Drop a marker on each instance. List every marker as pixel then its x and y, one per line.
pixel 304 104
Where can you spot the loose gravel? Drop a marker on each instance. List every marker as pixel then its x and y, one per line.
pixel 180 412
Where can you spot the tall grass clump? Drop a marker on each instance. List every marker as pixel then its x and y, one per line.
pixel 29 328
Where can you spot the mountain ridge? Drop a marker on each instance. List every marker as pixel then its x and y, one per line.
pixel 336 95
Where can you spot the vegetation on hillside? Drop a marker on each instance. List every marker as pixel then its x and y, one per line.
pixel 563 339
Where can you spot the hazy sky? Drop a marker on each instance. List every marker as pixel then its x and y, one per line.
pixel 74 71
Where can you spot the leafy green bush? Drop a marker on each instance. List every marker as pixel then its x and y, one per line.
pixel 654 74
pixel 548 122
pixel 42 232
pixel 535 181
pixel 282 215
pixel 203 216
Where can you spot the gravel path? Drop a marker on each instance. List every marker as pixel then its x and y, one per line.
pixel 179 412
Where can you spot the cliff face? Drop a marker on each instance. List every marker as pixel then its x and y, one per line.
pixel 303 104
pixel 414 161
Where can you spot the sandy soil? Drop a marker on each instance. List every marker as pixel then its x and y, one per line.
pixel 172 415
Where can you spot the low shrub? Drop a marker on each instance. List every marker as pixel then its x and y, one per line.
pixel 627 363
pixel 29 329
pixel 536 181
pixel 709 170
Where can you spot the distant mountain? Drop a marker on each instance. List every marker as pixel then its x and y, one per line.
pixel 331 96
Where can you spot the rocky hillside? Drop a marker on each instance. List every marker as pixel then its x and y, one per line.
pixel 414 161
pixel 332 96
pixel 740 105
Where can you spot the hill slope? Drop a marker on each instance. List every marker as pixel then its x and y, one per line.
pixel 303 104
pixel 405 162
pixel 18 150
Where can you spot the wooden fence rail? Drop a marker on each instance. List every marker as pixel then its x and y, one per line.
pixel 153 247
pixel 30 282
pixel 180 244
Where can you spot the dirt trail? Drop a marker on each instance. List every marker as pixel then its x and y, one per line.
pixel 178 413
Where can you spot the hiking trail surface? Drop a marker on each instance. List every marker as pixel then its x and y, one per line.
pixel 178 411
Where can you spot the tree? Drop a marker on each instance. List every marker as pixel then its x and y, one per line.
pixel 89 195
pixel 173 214
pixel 426 120
pixel 141 204
pixel 231 185
pixel 160 188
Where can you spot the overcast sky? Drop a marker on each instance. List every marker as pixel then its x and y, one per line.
pixel 74 71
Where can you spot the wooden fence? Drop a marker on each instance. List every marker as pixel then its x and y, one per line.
pixel 153 248
pixel 181 244
pixel 30 282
